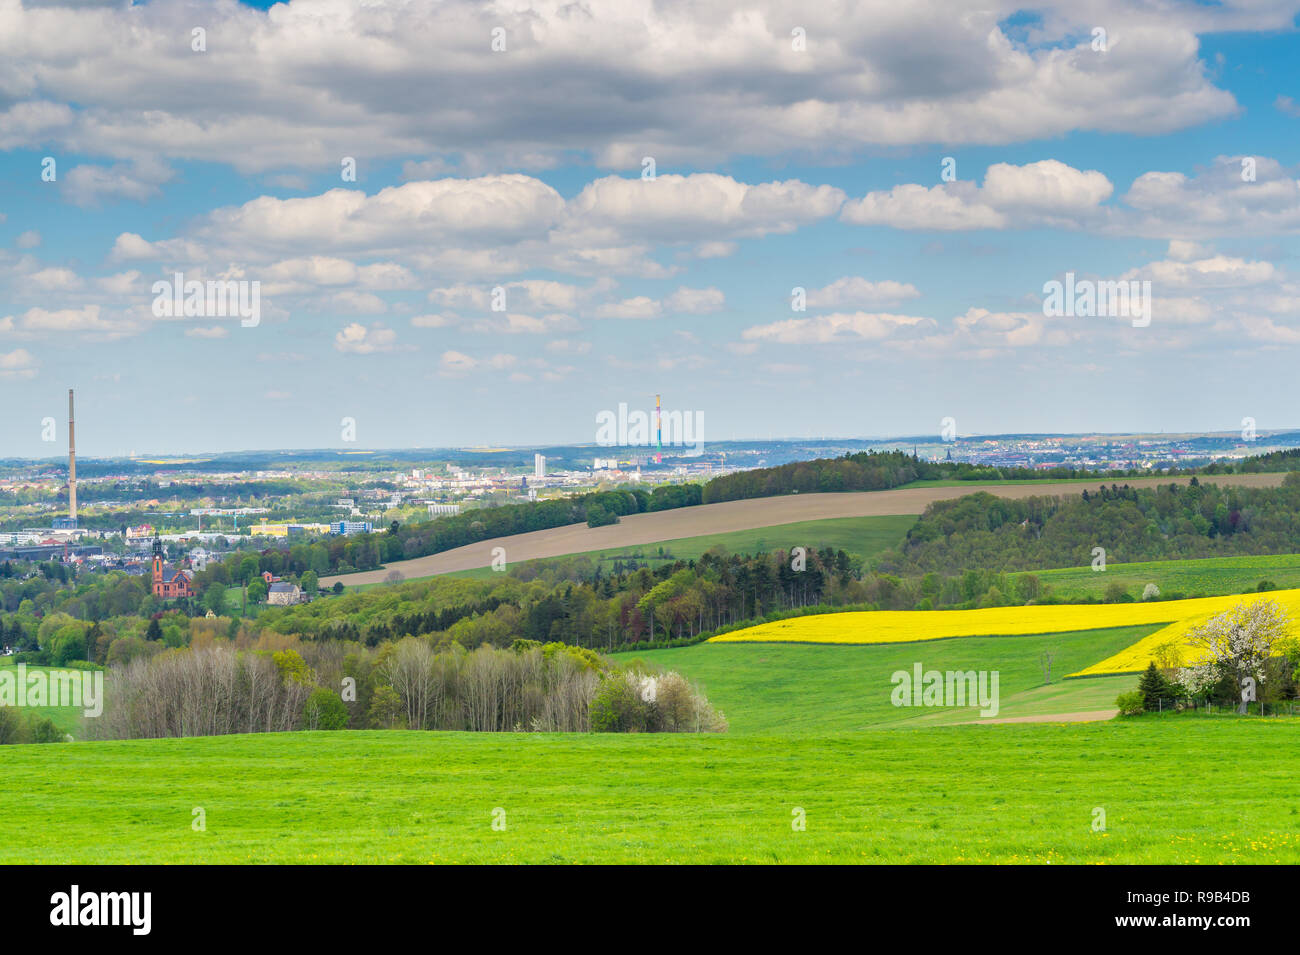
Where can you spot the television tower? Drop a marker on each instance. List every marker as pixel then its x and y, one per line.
pixel 659 433
pixel 72 462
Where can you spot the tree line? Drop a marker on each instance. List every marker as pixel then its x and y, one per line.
pixel 1169 521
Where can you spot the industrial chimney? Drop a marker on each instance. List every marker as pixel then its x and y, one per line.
pixel 72 463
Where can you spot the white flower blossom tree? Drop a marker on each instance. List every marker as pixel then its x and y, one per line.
pixel 1235 643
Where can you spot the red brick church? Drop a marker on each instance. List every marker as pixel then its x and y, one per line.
pixel 169 583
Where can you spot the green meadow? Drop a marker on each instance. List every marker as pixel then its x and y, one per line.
pixel 863 537
pixel 963 794
pixel 814 738
pixel 1204 577
pixel 67 719
pixel 806 688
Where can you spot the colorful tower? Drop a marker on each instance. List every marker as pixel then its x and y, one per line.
pixel 157 567
pixel 659 433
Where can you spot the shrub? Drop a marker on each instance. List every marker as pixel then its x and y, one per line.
pixel 1130 704
pixel 1116 594
pixel 324 710
pixel 618 707
pixel 17 726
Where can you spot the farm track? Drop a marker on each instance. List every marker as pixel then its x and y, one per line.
pixel 1086 716
pixel 659 526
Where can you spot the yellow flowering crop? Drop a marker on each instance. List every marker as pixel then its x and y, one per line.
pixel 901 626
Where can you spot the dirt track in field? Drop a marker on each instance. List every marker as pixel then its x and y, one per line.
pixel 1087 716
pixel 659 526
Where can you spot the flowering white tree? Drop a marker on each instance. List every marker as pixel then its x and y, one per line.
pixel 1235 643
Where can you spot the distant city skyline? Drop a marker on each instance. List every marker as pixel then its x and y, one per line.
pixel 902 441
pixel 782 218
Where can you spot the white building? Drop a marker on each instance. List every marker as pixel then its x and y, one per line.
pixel 539 465
pixel 283 594
pixel 436 510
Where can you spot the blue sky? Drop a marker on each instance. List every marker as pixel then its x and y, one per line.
pixel 521 169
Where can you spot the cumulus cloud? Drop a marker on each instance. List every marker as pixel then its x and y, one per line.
pixel 836 327
pixel 678 208
pixel 455 363
pixel 360 339
pixel 639 306
pixel 18 364
pixel 853 290
pixel 210 331
pixel 91 185
pixel 303 84
pixel 1219 271
pixel 695 301
pixel 1228 197
pixel 88 322
pixel 1044 193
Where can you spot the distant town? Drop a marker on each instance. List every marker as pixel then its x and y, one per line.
pixel 130 513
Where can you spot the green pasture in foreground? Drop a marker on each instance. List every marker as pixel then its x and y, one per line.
pixel 67 719
pixel 1201 577
pixel 1010 793
pixel 805 688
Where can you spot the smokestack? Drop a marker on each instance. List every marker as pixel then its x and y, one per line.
pixel 72 462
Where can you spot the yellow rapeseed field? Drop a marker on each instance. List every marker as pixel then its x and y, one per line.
pixel 902 626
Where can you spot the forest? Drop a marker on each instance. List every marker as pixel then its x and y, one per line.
pixel 1171 521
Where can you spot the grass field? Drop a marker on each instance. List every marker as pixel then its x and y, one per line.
pixel 1192 578
pixel 793 688
pixel 67 719
pixel 1012 793
pixel 862 537
pixel 813 731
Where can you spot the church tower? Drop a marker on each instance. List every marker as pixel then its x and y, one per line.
pixel 157 567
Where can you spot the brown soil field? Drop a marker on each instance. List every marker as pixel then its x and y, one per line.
pixel 658 526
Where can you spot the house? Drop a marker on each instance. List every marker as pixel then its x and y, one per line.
pixel 282 594
pixel 169 583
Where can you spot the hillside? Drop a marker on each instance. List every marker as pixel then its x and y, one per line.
pixel 658 526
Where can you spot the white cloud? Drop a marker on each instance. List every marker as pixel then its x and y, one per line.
pixel 88 321
pixel 639 306
pixel 308 83
pixel 359 339
pixel 1218 201
pixel 212 331
pixel 1044 193
pixel 1219 271
pixel 18 364
pixel 433 321
pixel 695 301
pixel 90 185
pixel 1266 330
pixel 854 290
pixel 836 327
pixel 675 208
pixel 455 363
